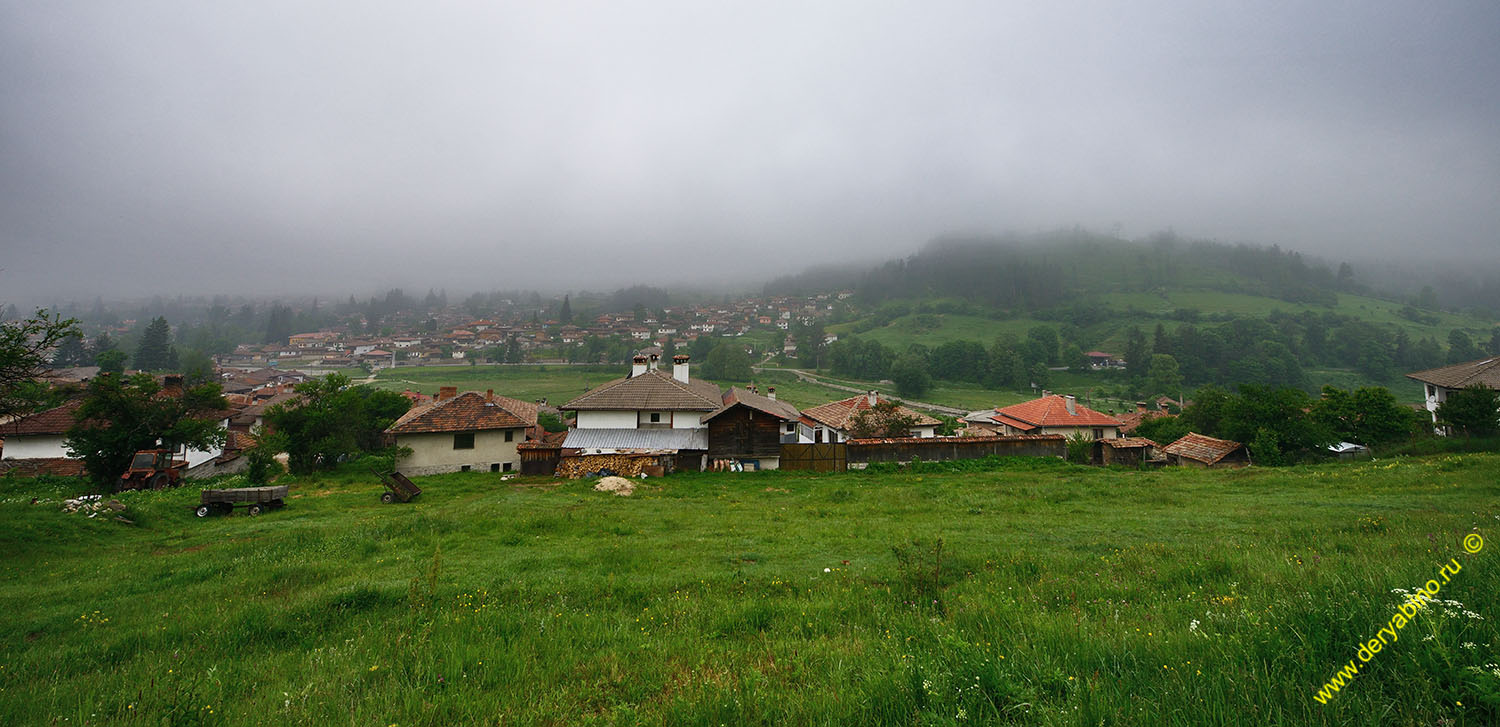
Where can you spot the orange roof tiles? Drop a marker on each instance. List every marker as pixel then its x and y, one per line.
pixel 1202 448
pixel 469 411
pixel 839 414
pixel 1052 411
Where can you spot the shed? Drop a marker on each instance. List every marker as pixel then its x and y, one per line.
pixel 1128 451
pixel 1201 451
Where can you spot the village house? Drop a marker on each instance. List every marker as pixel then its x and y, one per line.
pixel 832 422
pixel 647 412
pixel 1051 414
pixel 1439 383
pixel 463 432
pixel 35 443
pixel 749 429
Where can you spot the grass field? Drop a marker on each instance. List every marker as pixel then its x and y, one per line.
pixel 1063 595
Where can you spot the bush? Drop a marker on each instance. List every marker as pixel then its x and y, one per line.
pixel 1080 448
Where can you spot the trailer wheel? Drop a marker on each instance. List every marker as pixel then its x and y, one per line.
pixel 387 498
pixel 203 511
pixel 254 509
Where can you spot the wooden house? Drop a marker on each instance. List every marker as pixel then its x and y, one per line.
pixel 749 429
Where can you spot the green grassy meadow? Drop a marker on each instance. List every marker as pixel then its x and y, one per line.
pixel 1064 595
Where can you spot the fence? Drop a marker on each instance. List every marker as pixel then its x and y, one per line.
pixel 932 449
pixel 825 457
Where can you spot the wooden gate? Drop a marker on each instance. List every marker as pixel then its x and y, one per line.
pixel 825 457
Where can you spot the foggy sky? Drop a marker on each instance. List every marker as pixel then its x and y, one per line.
pixel 273 147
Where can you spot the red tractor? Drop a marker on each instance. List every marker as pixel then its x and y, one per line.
pixel 153 468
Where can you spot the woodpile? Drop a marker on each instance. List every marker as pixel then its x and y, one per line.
pixel 624 465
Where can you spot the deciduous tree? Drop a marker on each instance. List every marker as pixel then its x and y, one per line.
pixel 25 350
pixel 120 416
pixel 1472 411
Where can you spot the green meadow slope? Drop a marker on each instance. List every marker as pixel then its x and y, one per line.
pixel 1063 595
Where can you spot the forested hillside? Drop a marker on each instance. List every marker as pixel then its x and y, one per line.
pixel 1005 311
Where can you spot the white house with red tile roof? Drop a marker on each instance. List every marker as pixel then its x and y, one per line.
pixel 831 422
pixel 1051 414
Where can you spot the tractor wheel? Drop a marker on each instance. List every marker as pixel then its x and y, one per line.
pixel 160 480
pixel 122 484
pixel 387 498
pixel 203 511
pixel 254 509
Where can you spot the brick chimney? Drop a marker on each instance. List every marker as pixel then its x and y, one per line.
pixel 1072 405
pixel 447 392
pixel 637 366
pixel 680 367
pixel 874 397
pixel 489 394
pixel 771 393
pixel 1140 407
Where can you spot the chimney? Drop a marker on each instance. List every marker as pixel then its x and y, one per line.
pixel 1140 407
pixel 1046 393
pixel 652 361
pixel 637 366
pixel 680 367
pixel 1072 405
pixel 447 392
pixel 489 394
pixel 771 393
pixel 874 397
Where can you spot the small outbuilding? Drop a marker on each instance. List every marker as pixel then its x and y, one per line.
pixel 1128 451
pixel 1197 450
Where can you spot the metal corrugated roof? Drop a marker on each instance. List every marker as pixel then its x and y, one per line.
pixel 637 439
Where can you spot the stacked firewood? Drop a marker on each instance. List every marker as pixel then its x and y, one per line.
pixel 624 465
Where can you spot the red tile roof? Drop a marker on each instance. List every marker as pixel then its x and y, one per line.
pixel 469 411
pixel 1052 411
pixel 839 414
pixel 52 421
pixel 1201 448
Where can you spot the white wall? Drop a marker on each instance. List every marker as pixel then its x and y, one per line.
pixel 433 452
pixel 29 446
pixel 688 420
pixel 606 420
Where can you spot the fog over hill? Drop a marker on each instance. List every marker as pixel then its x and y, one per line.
pixel 279 148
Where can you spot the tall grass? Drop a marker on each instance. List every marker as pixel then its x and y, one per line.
pixel 1066 595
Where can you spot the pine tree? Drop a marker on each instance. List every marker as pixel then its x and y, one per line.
pixel 566 316
pixel 154 351
pixel 70 352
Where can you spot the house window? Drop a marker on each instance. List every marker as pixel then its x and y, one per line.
pixel 510 434
pixel 463 440
pixel 791 427
pixel 496 467
pixel 507 466
pixel 655 418
pixel 818 437
pixel 1098 434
